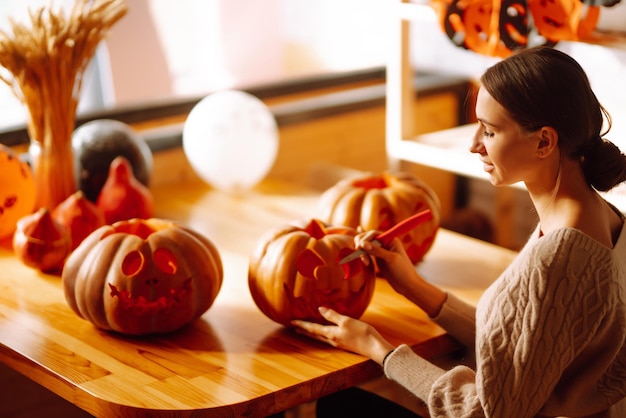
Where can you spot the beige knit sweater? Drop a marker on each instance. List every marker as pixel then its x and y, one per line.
pixel 550 337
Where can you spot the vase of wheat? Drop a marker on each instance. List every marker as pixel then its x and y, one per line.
pixel 43 62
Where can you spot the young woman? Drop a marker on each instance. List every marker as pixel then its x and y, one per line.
pixel 549 334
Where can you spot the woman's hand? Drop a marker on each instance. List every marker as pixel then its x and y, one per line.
pixel 393 262
pixel 346 333
pixel 396 266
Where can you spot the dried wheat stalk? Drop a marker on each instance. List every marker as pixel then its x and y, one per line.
pixel 44 62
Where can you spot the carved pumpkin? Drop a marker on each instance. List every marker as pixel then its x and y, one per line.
pixel 379 201
pixel 141 277
pixel 294 270
pixel 42 243
pixel 17 191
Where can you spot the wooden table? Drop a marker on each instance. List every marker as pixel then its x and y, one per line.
pixel 233 361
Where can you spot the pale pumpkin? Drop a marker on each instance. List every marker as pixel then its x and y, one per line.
pixel 295 269
pixel 142 276
pixel 379 201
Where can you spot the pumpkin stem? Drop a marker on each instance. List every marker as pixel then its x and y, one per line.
pixel 374 182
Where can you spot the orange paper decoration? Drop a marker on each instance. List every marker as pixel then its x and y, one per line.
pixel 498 27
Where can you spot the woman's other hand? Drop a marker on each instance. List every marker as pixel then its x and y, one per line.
pixel 346 333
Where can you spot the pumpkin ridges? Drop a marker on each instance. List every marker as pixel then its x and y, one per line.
pixel 375 213
pixel 284 248
pixel 282 292
pixel 150 296
pixel 264 241
pixel 210 248
pixel 74 263
pixel 416 182
pixel 196 251
pixel 89 292
pixel 337 200
pixel 113 247
pixel 329 199
pixel 382 206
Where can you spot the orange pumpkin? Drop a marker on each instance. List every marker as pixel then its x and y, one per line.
pixel 142 276
pixel 42 243
pixel 17 191
pixel 79 215
pixel 379 201
pixel 294 270
pixel 123 197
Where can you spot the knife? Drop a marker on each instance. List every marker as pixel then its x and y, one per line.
pixel 398 229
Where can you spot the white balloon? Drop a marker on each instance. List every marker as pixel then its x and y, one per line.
pixel 231 140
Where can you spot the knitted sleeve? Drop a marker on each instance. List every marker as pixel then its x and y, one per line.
pixel 529 327
pixel 458 319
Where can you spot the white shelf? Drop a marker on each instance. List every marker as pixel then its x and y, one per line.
pixel 448 149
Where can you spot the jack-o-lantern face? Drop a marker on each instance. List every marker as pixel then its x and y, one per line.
pixel 17 191
pixel 142 276
pixel 295 270
pixel 152 286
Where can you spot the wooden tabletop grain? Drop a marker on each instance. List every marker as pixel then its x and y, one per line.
pixel 233 361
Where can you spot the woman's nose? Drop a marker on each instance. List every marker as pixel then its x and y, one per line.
pixel 477 146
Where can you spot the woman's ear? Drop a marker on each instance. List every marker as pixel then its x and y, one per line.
pixel 548 141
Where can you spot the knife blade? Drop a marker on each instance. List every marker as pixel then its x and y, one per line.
pixel 398 229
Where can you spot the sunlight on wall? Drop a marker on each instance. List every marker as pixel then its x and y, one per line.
pixel 163 49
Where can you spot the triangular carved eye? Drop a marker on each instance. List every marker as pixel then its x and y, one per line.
pixel 351 268
pixel 307 262
pixel 165 261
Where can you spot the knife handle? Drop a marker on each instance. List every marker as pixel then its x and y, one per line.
pixel 404 226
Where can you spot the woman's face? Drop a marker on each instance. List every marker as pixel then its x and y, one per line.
pixel 507 152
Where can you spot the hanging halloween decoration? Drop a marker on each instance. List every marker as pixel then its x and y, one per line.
pixel 17 191
pixel 380 201
pixel 498 27
pixel 142 276
pixel 294 270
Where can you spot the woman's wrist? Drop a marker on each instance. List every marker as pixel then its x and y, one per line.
pixel 387 356
pixel 381 350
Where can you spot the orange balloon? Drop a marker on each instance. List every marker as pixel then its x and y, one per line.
pixel 17 190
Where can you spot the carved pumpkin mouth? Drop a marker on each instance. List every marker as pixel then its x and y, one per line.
pixel 141 305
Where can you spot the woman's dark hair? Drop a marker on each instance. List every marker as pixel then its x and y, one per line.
pixel 543 86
